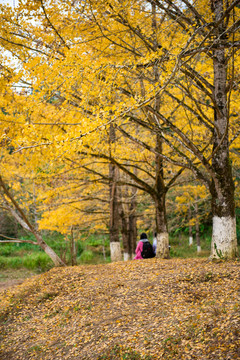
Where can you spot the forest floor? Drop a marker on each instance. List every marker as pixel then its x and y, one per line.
pixel 145 309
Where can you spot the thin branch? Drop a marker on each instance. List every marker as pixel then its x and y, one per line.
pixel 22 45
pixel 13 240
pixel 52 26
pixel 112 41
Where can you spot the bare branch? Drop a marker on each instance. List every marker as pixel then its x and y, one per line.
pixel 52 26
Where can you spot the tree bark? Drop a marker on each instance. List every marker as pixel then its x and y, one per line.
pixel 197 226
pixel 115 249
pixel 160 203
pixel 224 239
pixel 133 223
pixel 190 226
pixel 73 249
pixel 125 231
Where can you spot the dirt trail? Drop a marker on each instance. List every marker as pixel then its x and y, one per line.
pixel 10 283
pixel 12 277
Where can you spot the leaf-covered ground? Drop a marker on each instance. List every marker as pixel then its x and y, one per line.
pixel 145 309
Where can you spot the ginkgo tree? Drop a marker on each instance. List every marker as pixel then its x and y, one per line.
pixel 43 91
pixel 99 62
pixel 200 79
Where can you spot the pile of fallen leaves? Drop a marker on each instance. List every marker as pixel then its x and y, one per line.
pixel 145 309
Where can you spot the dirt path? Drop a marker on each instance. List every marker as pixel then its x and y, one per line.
pixel 12 277
pixel 10 283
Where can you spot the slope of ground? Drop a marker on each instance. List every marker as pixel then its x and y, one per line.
pixel 146 309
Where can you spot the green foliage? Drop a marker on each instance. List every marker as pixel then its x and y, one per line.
pixel 10 262
pixel 86 256
pixel 97 241
pixel 6 250
pixel 30 256
pixel 38 261
pixel 219 252
pixel 89 251
pixel 238 224
pixel 180 247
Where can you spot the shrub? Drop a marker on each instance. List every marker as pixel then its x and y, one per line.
pixel 6 249
pixel 38 261
pixel 86 256
pixel 10 262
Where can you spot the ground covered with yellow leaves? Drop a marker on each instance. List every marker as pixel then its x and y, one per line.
pixel 144 309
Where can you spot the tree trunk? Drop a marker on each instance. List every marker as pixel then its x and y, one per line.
pixel 73 249
pixel 190 226
pixel 125 233
pixel 224 239
pixel 115 249
pixel 133 223
pixel 49 251
pixel 197 227
pixel 22 219
pixel 161 220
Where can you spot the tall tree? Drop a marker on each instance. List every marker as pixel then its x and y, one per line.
pixel 114 225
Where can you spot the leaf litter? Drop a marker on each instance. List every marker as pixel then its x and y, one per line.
pixel 149 309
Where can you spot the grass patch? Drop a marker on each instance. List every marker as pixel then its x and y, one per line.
pixel 180 247
pixel 38 261
pixel 87 256
pixel 12 274
pixel 13 262
pixel 91 250
pixel 32 257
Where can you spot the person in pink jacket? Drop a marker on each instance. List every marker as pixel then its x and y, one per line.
pixel 143 238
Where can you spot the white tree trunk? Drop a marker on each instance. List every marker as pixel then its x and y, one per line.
pixel 115 251
pixel 224 238
pixel 162 245
pixel 126 256
pixel 190 240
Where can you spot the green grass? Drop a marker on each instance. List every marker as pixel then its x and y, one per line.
pixel 180 247
pixel 39 262
pixel 14 262
pixel 29 256
pixel 12 274
pixel 89 251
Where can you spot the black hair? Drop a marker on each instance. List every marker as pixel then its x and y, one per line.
pixel 143 236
